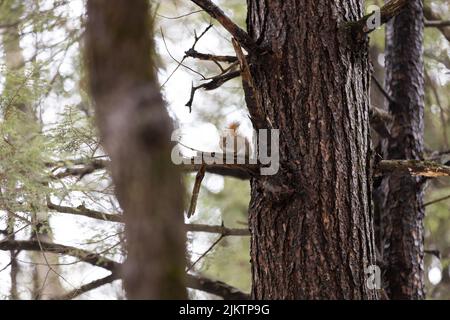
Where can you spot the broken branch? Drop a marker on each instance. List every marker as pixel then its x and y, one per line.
pixel 387 12
pixel 413 168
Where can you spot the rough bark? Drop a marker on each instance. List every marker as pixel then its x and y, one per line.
pixel 135 130
pixel 401 197
pixel 311 224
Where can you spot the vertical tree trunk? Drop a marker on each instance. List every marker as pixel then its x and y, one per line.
pixel 135 129
pixel 402 210
pixel 311 224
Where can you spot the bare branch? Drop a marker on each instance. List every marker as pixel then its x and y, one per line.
pixel 83 211
pixel 83 255
pixel 413 168
pixel 434 16
pixel 180 16
pixel 81 168
pixel 443 58
pixel 205 253
pixel 210 57
pixel 88 287
pixel 435 253
pixel 195 282
pixel 217 288
pixel 387 12
pixel 217 229
pixel 432 85
pixel 380 121
pixel 195 192
pixel 239 34
pixel 437 23
pixel 240 167
pixel 436 201
pixel 215 83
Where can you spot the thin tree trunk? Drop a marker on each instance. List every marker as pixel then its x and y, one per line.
pixel 401 197
pixel 311 224
pixel 135 129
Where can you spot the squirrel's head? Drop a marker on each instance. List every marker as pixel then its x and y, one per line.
pixel 234 126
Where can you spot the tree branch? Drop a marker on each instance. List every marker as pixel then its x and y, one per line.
pixel 217 229
pixel 88 287
pixel 240 166
pixel 387 12
pixel 83 255
pixel 252 98
pixel 84 167
pixel 217 288
pixel 437 23
pixel 243 172
pixel 83 211
pixel 209 57
pixel 216 13
pixel 214 83
pixel 380 121
pixel 412 167
pixel 196 190
pixel 433 16
pixel 195 282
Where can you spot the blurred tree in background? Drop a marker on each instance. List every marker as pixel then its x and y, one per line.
pixel 60 170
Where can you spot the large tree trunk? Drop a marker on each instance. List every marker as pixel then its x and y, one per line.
pixel 135 129
pixel 401 197
pixel 311 224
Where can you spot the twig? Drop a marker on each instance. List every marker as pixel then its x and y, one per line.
pixel 180 16
pixel 380 121
pixel 433 16
pixel 180 63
